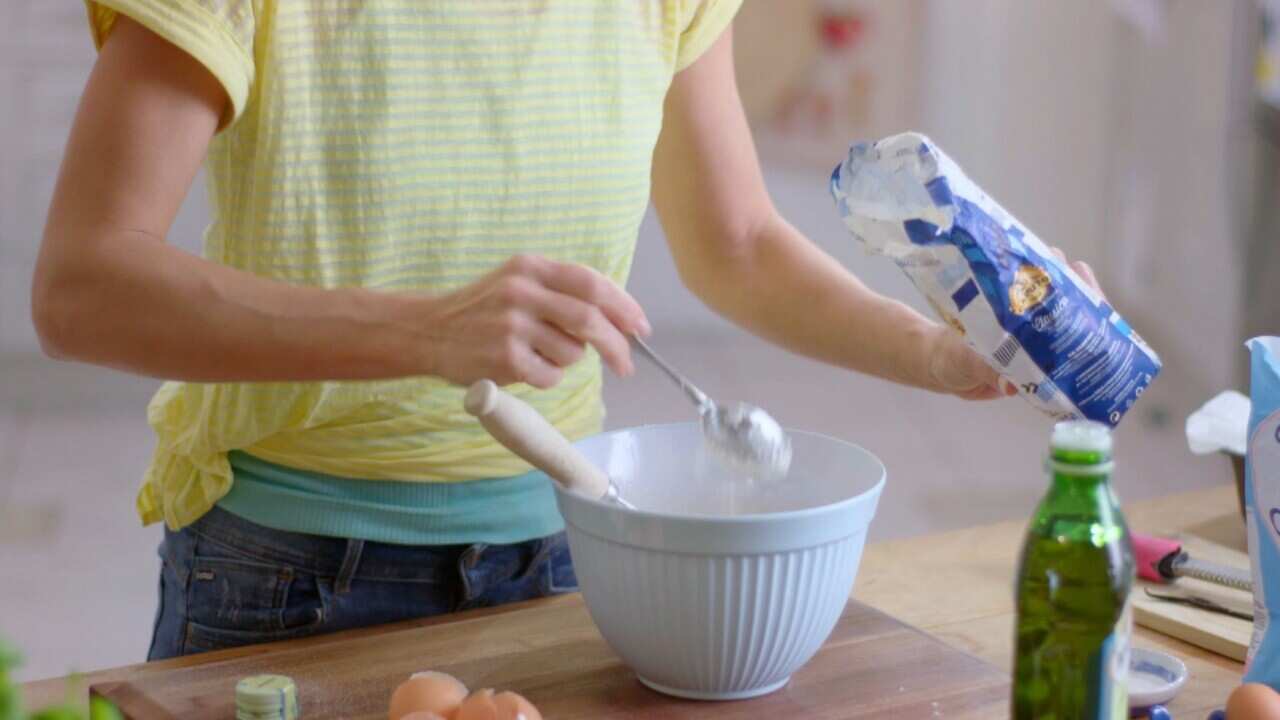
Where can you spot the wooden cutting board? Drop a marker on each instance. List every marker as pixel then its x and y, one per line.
pixel 1215 632
pixel 549 651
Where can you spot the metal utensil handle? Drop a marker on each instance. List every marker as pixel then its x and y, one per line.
pixel 1201 603
pixel 697 396
pixel 526 433
pixel 1213 572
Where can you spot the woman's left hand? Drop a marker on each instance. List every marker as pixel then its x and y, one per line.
pixel 954 368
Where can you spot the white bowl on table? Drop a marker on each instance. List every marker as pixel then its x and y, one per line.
pixel 717 588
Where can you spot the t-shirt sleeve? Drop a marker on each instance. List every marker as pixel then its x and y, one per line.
pixel 707 21
pixel 217 33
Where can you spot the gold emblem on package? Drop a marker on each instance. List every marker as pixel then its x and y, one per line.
pixel 1030 287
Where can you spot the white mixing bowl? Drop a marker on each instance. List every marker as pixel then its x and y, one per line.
pixel 718 588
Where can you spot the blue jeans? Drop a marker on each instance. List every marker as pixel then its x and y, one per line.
pixel 227 582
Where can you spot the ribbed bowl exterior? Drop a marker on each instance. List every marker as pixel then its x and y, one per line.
pixel 715 626
pixel 719 606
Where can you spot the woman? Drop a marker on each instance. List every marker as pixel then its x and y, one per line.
pixel 407 196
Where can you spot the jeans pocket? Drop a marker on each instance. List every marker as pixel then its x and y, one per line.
pixel 202 638
pixel 232 602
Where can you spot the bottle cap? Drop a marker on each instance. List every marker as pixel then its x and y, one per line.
pixel 266 697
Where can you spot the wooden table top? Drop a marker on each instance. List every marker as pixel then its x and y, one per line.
pixel 871 666
pixel 956 586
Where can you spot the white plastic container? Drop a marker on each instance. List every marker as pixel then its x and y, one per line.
pixel 719 589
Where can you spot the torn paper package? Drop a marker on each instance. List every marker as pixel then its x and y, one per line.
pixel 1029 315
pixel 1220 425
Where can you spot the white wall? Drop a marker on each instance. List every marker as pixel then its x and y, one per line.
pixel 1117 146
pixel 45 58
pixel 1009 90
pixel 1181 129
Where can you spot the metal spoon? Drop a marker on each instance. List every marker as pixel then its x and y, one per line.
pixel 744 436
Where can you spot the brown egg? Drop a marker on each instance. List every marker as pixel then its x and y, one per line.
pixel 422 715
pixel 514 706
pixel 431 692
pixel 484 705
pixel 1253 701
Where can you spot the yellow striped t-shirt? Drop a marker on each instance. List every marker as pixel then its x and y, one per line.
pixel 408 145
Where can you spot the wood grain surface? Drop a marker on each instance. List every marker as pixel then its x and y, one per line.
pixel 872 667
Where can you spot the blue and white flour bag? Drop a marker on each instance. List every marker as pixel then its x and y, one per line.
pixel 1029 315
pixel 1262 508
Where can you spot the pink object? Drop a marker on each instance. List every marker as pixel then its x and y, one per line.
pixel 1150 552
pixel 841 31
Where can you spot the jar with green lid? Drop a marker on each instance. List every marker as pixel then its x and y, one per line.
pixel 266 697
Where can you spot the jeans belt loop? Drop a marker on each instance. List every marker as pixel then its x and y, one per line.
pixel 540 554
pixel 350 561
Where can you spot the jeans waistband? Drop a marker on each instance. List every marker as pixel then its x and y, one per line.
pixel 326 556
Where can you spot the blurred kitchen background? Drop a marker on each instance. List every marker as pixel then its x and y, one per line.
pixel 1135 134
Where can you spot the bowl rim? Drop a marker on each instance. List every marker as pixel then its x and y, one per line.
pixel 754 519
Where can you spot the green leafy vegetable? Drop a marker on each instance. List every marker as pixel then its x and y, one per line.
pixel 100 709
pixel 11 698
pixel 59 712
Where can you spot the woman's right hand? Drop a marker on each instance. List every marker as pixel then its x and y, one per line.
pixel 527 321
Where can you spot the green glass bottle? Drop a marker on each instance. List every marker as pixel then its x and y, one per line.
pixel 1073 625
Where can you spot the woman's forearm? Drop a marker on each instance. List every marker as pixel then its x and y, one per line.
pixel 132 302
pixel 787 290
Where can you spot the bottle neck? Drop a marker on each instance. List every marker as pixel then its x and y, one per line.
pixel 1080 505
pixel 1077 483
pixel 1079 471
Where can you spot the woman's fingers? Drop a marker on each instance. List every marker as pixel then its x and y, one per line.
pixel 984 392
pixel 1081 268
pixel 576 305
pixel 587 323
pixel 536 370
pixel 1086 273
pixel 561 349
pixel 580 303
pixel 598 291
pixel 954 367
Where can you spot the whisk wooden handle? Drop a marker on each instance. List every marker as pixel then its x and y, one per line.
pixel 524 431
